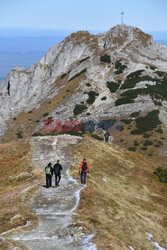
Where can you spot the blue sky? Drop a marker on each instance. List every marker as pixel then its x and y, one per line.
pixel 83 14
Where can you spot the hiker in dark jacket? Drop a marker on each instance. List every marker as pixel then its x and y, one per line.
pixel 49 173
pixel 106 136
pixel 83 170
pixel 57 171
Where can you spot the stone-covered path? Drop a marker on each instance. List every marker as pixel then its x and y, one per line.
pixel 55 206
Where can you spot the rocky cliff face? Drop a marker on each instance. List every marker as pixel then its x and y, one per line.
pixel 113 74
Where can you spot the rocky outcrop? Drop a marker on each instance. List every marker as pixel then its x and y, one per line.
pixel 108 57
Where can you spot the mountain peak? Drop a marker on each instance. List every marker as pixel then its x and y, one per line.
pixel 88 74
pixel 122 34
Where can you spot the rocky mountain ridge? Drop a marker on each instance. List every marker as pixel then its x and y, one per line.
pixel 111 75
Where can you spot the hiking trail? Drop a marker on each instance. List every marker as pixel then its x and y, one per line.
pixel 55 206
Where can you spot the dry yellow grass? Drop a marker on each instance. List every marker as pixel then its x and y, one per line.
pixel 17 184
pixel 130 203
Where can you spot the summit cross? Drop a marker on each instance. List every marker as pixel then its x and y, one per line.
pixel 122 13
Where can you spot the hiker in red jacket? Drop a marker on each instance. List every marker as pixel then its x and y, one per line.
pixel 83 170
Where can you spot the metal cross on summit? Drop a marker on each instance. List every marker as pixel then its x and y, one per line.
pixel 122 13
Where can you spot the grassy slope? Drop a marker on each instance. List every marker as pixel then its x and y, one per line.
pixel 128 205
pixel 17 173
pixel 125 139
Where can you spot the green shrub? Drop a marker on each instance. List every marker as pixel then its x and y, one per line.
pixel 103 98
pixel 132 149
pixel 126 121
pixel 152 67
pixel 133 93
pixel 135 114
pixel 97 137
pixel 92 97
pixel 37 134
pixel 158 91
pixel 159 130
pixel 131 83
pixel 112 86
pixel 14 119
pixel 150 154
pixel 160 143
pixel 135 74
pixel 161 172
pixel 63 75
pixel 88 113
pixel 146 135
pixel 45 114
pixel 78 74
pixel 37 121
pixel 88 84
pixel 148 122
pixel 84 59
pixel 67 90
pixel 105 58
pixel 120 67
pixel 144 148
pixel 124 100
pixel 30 111
pixel 79 109
pixel 157 146
pixel 135 132
pixel 147 143
pixel 19 134
pixel 136 143
pixel 157 103
pixel 132 79
pixel 161 73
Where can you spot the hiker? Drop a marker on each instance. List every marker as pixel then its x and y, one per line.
pixel 83 170
pixel 49 173
pixel 57 171
pixel 106 136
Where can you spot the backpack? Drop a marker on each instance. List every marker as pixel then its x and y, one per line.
pixel 84 166
pixel 48 170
